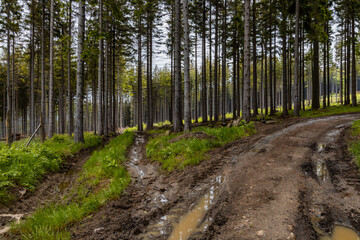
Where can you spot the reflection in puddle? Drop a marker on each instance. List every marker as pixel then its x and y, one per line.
pixel 184 225
pixel 190 222
pixel 321 171
pixel 342 233
pixel 17 218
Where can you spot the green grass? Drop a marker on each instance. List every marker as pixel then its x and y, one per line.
pixel 333 110
pixel 355 145
pixel 178 155
pixel 103 178
pixel 24 167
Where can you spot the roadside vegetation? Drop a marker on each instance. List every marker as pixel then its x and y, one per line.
pixel 23 167
pixel 103 177
pixel 191 150
pixel 355 145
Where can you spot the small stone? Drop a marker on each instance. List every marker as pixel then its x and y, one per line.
pixel 291 236
pixel 260 233
pixel 290 228
pixel 98 229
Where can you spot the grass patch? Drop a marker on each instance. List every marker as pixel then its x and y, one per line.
pixel 103 178
pixel 191 151
pixel 333 110
pixel 355 145
pixel 24 167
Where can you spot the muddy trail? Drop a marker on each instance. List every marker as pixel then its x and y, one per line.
pixel 53 188
pixel 293 179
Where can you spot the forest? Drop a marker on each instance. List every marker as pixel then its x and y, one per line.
pixel 179 119
pixel 103 65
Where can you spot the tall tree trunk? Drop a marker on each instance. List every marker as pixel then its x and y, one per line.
pixel 266 101
pixel 106 82
pixel 203 78
pixel 51 74
pixel 9 137
pixel 196 81
pixel 43 106
pixel 246 108
pixel 296 64
pixel 61 97
pixel 348 66
pixel 223 87
pixel 324 77
pixel 187 104
pixel 177 65
pixel 210 102
pixel 94 100
pixel 353 64
pixel 315 77
pixel 271 67
pixel 254 89
pixel 32 63
pixel 139 79
pixel 328 63
pixel 100 74
pixel 79 116
pixel 216 96
pixel 284 67
pixel 70 98
pixel 341 68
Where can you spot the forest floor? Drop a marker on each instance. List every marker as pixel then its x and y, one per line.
pixel 293 179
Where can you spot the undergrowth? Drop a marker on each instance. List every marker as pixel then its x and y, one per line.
pixel 191 151
pixel 355 145
pixel 23 167
pixel 103 178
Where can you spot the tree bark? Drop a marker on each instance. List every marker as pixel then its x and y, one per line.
pixel 315 77
pixel 79 116
pixel 100 74
pixel 296 64
pixel 187 104
pixel 216 98
pixel 139 79
pixel 353 64
pixel 223 87
pixel 43 106
pixel 51 74
pixel 254 89
pixel 70 98
pixel 177 65
pixel 246 108
pixel 203 78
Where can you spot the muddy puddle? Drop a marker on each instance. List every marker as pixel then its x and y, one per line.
pixel 182 225
pixel 341 233
pixel 322 172
pixel 135 156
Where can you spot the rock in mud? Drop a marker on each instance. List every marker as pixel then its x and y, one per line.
pixel 260 233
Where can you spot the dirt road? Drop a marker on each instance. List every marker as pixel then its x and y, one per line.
pixel 291 179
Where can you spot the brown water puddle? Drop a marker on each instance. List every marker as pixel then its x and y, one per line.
pixel 192 221
pixel 342 233
pixel 184 225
